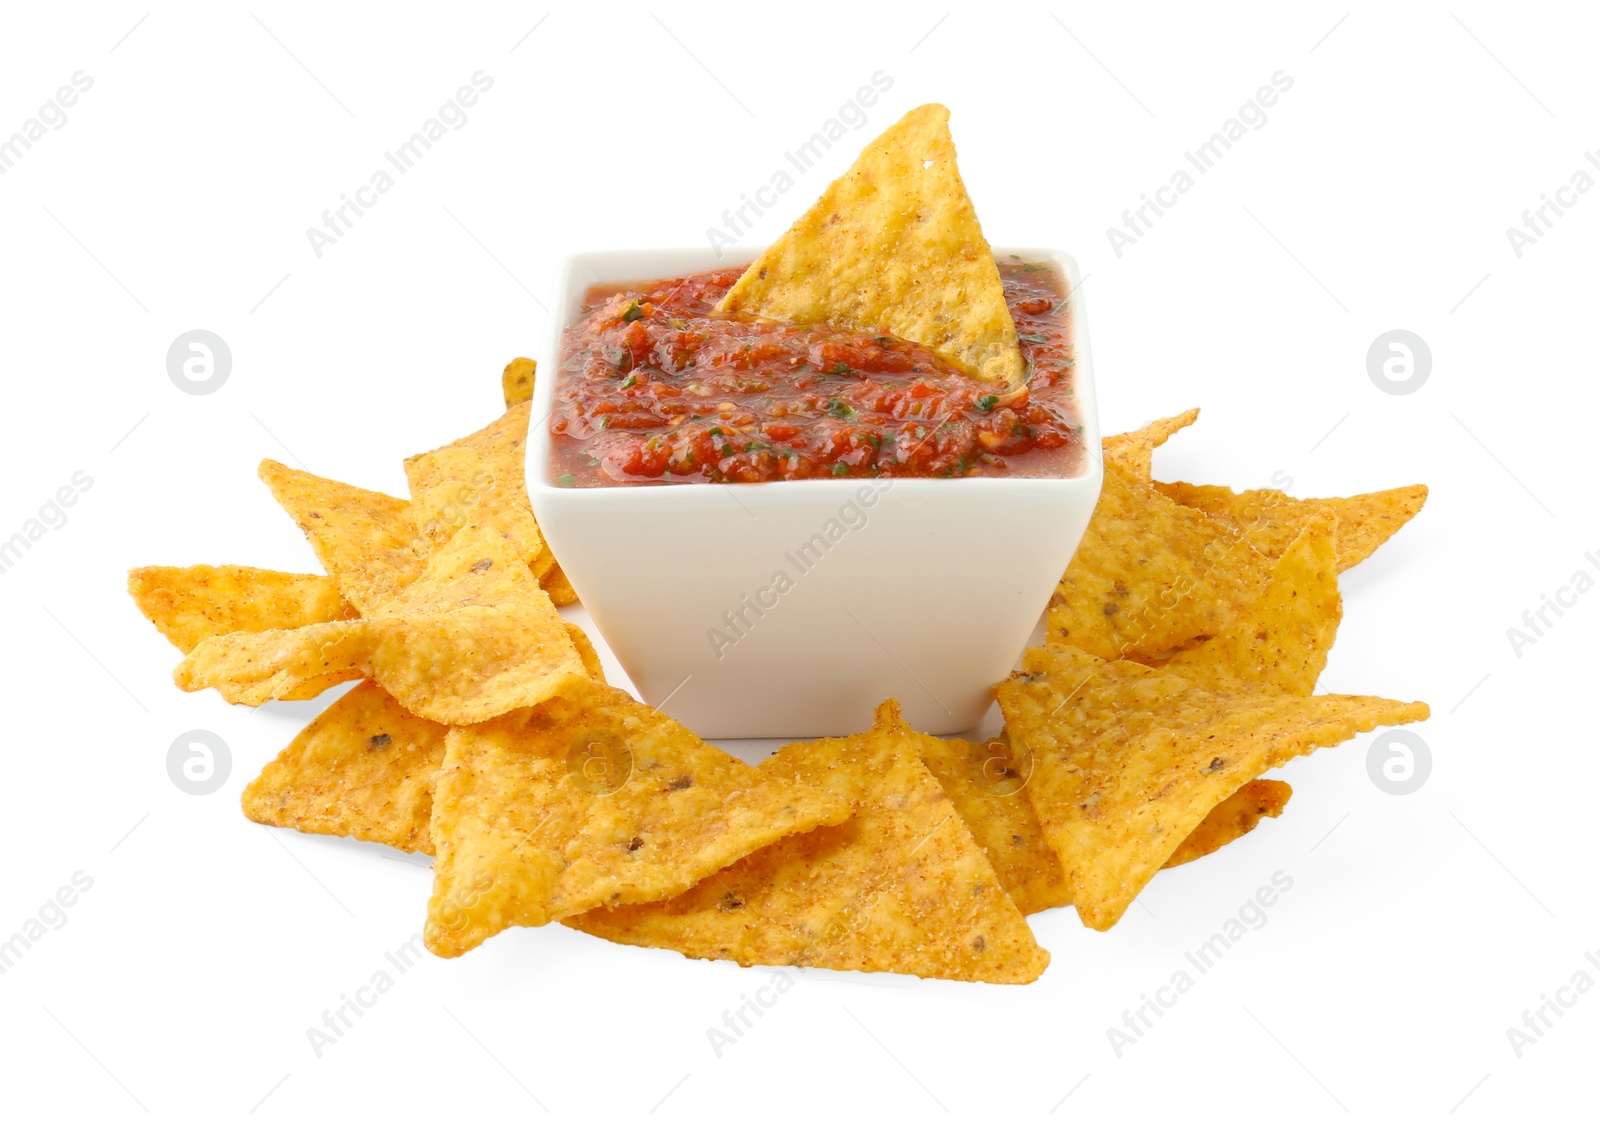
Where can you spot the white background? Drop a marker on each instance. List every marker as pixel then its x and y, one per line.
pixel 1377 196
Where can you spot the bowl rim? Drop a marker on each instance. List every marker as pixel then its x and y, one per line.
pixel 538 469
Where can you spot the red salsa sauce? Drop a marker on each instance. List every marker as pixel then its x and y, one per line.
pixel 655 387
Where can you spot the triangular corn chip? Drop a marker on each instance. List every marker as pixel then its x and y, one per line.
pixel 902 886
pixel 480 637
pixel 474 637
pixel 894 245
pixel 365 768
pixel 1270 520
pixel 1128 761
pixel 253 668
pixel 1283 641
pixel 191 604
pixel 586 653
pixel 479 480
pixel 592 799
pixel 516 382
pixel 557 587
pixel 1232 818
pixel 985 781
pixel 365 540
pixel 1133 450
pixel 1150 575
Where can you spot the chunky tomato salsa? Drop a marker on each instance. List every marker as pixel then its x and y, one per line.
pixel 656 387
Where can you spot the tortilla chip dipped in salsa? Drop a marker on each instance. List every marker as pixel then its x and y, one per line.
pixel 893 244
pixel 879 337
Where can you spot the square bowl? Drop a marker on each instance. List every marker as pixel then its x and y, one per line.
pixel 792 608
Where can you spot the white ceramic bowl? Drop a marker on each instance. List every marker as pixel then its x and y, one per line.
pixel 921 589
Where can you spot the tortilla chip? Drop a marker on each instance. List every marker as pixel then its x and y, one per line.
pixel 478 567
pixel 902 886
pixel 191 604
pixel 985 781
pixel 1283 642
pixel 1267 518
pixel 516 382
pixel 1151 575
pixel 478 480
pixel 1133 450
pixel 364 769
pixel 474 637
pixel 893 245
pixel 586 653
pixel 526 834
pixel 1128 761
pixel 253 668
pixel 479 637
pixel 1232 818
pixel 1270 520
pixel 365 540
pixel 307 688
pixel 556 586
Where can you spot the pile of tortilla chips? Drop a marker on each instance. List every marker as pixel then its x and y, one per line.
pixel 1181 660
pixel 1184 645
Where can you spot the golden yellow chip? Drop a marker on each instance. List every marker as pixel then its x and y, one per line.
pixel 1232 818
pixel 516 382
pixel 1282 642
pixel 893 245
pixel 985 782
pixel 478 636
pixel 592 799
pixel 1271 520
pixel 365 540
pixel 303 688
pixel 364 769
pixel 1128 761
pixel 474 637
pixel 902 886
pixel 479 663
pixel 478 567
pixel 1133 450
pixel 253 668
pixel 1267 518
pixel 556 586
pixel 191 604
pixel 585 648
pixel 479 480
pixel 1151 575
